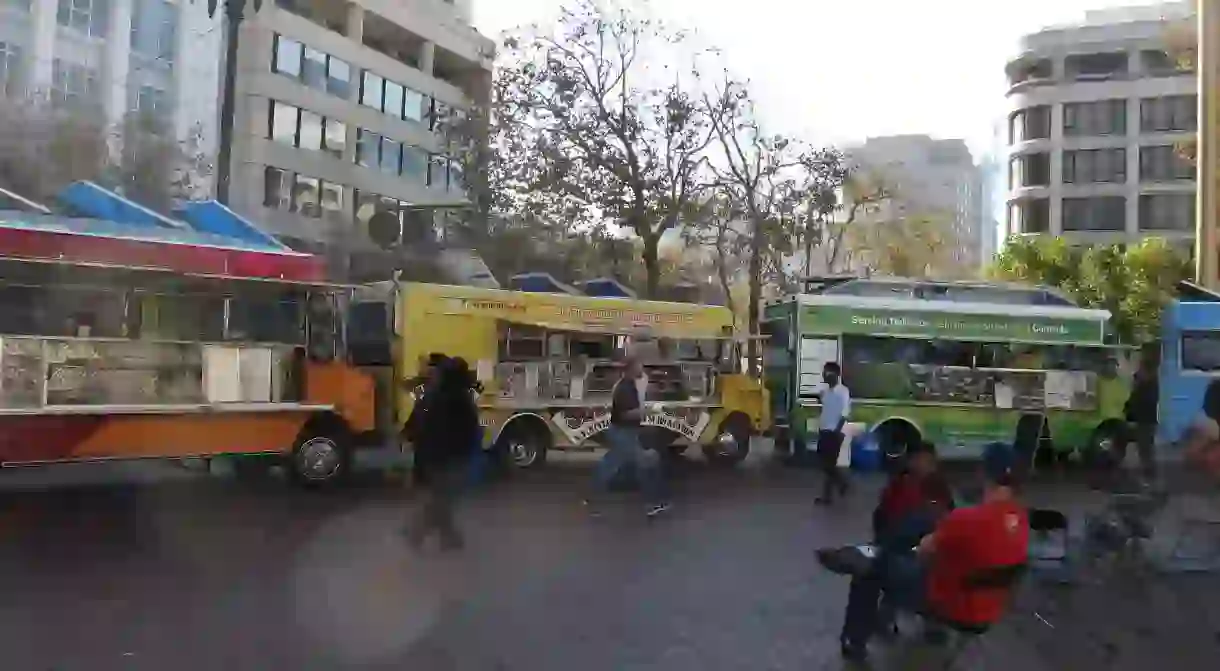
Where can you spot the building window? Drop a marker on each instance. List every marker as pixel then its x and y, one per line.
pixel 1163 163
pixel 338 77
pixel 284 123
pixel 392 100
pixel 10 68
pixel 72 85
pixel 364 206
pixel 1029 170
pixel 310 133
pixel 1089 166
pixel 1098 213
pixel 332 200
pixel 391 156
pixel 154 30
pixel 335 138
pixel 89 17
pixel 288 55
pixel 1167 212
pixel 415 106
pixel 371 90
pixel 313 71
pixel 1110 65
pixel 1168 114
pixel 1030 215
pixel 150 103
pixel 306 194
pixel 1158 63
pixel 415 164
pixel 368 148
pixel 438 178
pixel 1104 117
pixel 1032 123
pixel 277 189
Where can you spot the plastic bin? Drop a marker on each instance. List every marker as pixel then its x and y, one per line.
pixel 866 453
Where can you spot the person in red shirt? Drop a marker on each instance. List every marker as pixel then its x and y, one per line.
pixel 936 581
pixel 917 488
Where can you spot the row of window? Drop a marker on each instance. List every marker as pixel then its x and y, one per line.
pixel 1158 163
pixel 73 84
pixel 154 30
pixel 88 17
pixel 1165 114
pixel 304 129
pixel 321 71
pixel 307 196
pixel 1153 63
pixel 1157 212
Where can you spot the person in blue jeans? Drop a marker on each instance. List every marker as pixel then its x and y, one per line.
pixel 626 450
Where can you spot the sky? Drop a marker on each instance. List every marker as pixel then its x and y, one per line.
pixel 839 71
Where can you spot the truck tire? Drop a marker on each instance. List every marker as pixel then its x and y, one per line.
pixel 731 445
pixel 523 445
pixel 321 458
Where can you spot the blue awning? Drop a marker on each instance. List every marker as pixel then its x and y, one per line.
pixel 213 218
pixel 87 199
pixel 542 283
pixel 607 287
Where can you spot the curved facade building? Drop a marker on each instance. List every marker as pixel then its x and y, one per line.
pixel 1097 112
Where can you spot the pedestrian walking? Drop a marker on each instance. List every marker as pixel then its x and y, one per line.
pixel 444 427
pixel 1140 413
pixel 836 407
pixel 626 450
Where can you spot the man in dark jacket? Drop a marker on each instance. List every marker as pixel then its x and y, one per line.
pixel 444 428
pixel 1141 415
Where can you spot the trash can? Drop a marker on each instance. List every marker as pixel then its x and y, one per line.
pixel 866 453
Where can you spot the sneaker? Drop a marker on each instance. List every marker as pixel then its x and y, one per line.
pixel 657 509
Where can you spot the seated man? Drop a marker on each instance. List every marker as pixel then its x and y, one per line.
pixel 912 491
pixel 937 580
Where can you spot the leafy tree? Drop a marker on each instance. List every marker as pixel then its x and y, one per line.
pixel 596 141
pixel 918 245
pixel 1132 283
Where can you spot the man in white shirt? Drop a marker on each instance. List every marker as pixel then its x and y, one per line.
pixel 836 407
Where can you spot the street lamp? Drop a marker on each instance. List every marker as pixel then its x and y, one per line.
pixel 235 13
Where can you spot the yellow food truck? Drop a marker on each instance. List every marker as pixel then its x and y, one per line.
pixel 547 365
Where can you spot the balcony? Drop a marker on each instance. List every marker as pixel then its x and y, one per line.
pixel 459 72
pixel 330 14
pixel 391 39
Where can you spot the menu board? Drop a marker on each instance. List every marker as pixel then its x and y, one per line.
pixel 814 353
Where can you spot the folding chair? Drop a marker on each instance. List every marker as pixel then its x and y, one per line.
pixel 1048 543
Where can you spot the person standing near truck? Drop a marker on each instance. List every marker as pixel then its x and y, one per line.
pixel 626 448
pixel 1140 414
pixel 836 407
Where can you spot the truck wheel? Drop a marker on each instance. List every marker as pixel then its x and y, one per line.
pixel 523 446
pixel 894 438
pixel 732 442
pixel 320 459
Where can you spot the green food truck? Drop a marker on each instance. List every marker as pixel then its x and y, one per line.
pixel 960 364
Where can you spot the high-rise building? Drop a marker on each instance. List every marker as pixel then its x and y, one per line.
pixel 1098 113
pixel 339 114
pixel 158 57
pixel 932 178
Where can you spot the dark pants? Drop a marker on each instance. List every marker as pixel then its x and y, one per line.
pixel 829 444
pixel 895 583
pixel 441 487
pixel 1144 436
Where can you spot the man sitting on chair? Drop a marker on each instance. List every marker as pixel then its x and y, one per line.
pixel 943 579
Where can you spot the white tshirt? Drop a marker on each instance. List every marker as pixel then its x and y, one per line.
pixel 836 406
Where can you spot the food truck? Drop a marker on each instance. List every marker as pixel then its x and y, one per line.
pixel 960 364
pixel 129 334
pixel 547 362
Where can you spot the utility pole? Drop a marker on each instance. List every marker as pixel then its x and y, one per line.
pixel 1207 238
pixel 235 13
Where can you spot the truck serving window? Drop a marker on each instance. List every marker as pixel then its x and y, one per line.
pixel 368 334
pixel 1201 350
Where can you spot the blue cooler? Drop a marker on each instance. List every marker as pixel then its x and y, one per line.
pixel 866 453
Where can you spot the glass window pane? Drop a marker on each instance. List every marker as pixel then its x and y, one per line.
pixel 336 137
pixel 370 90
pixel 415 163
pixel 311 130
pixel 332 200
pixel 339 77
pixel 366 206
pixel 277 188
pixel 391 156
pixel 439 174
pixel 392 103
pixel 415 105
pixel 287 56
pixel 305 196
pixel 315 69
pixel 284 123
pixel 367 146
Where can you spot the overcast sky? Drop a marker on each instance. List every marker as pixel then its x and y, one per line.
pixel 837 71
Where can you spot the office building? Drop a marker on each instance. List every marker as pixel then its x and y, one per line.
pixel 340 108
pixel 1098 113
pixel 158 57
pixel 932 178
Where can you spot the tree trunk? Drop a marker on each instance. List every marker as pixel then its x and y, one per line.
pixel 722 274
pixel 755 269
pixel 652 266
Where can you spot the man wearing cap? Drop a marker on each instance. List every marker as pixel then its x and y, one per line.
pixel 991 535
